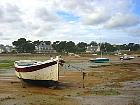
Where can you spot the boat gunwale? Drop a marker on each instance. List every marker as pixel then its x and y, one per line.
pixel 34 68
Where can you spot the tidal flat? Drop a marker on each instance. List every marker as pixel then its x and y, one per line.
pixel 118 83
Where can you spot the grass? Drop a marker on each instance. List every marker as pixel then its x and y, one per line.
pixel 102 92
pixel 58 100
pixel 112 77
pixel 133 103
pixel 5 64
pixel 105 92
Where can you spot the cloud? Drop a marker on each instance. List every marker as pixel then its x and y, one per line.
pixel 98 16
pixel 9 13
pixel 103 12
pixel 6 38
pixel 46 15
pixel 67 19
pixel 120 20
pixel 1 34
pixel 133 31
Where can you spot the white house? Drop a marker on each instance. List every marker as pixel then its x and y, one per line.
pixel 5 49
pixel 2 48
pixel 92 49
pixel 8 48
pixel 44 48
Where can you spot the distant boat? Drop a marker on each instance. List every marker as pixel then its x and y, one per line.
pixel 126 57
pixel 37 70
pixel 100 60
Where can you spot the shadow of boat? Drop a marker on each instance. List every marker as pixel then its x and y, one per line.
pixel 42 83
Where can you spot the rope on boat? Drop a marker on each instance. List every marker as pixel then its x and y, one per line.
pixel 75 67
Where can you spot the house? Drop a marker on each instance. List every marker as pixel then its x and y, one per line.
pixel 5 49
pixel 92 49
pixel 8 48
pixel 44 48
pixel 2 48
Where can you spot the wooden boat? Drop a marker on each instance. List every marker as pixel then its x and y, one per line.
pixel 37 70
pixel 100 60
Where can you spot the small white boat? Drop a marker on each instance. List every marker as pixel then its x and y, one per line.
pixel 37 70
pixel 125 57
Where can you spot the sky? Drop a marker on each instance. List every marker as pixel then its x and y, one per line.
pixel 113 21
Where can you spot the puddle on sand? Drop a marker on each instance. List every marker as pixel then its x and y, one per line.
pixel 7 74
pixel 81 66
pixel 6 78
pixel 11 70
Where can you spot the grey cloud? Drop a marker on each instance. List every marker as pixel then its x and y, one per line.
pixel 122 21
pixel 6 38
pixel 31 26
pixel 94 12
pixel 95 19
pixel 1 34
pixel 45 15
pixel 9 13
pixel 133 31
pixel 44 30
pixel 1 11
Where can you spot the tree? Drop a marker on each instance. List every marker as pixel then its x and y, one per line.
pixel 70 47
pixel 61 47
pixel 23 46
pixel 36 42
pixel 47 42
pixel 136 47
pixel 55 45
pixel 81 47
pixel 130 46
pixel 124 47
pixel 107 47
pixel 93 43
pixel 64 46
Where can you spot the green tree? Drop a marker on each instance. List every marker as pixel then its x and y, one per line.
pixel 107 47
pixel 136 47
pixel 131 46
pixel 47 42
pixel 55 45
pixel 93 43
pixel 62 47
pixel 70 47
pixel 23 46
pixel 36 43
pixel 81 47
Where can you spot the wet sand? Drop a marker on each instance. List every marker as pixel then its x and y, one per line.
pixel 115 84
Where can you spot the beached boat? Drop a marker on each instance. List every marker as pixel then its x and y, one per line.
pixel 125 57
pixel 37 70
pixel 100 60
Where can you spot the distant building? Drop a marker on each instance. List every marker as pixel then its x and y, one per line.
pixel 8 48
pixel 2 48
pixel 44 48
pixel 5 49
pixel 92 49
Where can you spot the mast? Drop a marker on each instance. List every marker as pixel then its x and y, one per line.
pixel 100 44
pixel 101 50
